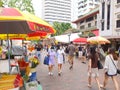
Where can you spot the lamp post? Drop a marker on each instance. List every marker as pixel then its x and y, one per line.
pixel 69 36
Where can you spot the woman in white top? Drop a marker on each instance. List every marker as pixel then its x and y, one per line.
pixel 110 69
pixel 60 58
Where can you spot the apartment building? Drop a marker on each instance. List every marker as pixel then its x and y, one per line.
pixel 88 22
pixel 84 6
pixel 57 10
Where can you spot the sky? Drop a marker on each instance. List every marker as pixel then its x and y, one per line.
pixel 37 7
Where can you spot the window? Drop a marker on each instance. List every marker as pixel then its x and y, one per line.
pixel 95 23
pixel 89 24
pixel 95 16
pixel 118 1
pixel 89 19
pixel 91 4
pixel 103 10
pixel 82 27
pixel 108 17
pixel 96 0
pixel 102 26
pixel 118 23
pixel 81 22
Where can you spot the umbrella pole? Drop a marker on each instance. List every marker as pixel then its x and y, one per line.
pixel 8 53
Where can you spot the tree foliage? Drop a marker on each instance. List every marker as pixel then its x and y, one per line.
pixel 23 5
pixel 61 27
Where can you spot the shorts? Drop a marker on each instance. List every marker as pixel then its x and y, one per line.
pixel 80 53
pixel 94 72
pixel 110 75
pixel 70 58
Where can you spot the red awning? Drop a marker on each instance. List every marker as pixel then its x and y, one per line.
pixel 96 32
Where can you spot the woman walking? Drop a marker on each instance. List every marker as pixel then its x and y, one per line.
pixel 52 56
pixel 110 70
pixel 93 67
pixel 60 58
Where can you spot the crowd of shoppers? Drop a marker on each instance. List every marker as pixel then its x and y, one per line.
pixel 91 54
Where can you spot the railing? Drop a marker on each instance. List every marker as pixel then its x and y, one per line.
pixel 89 28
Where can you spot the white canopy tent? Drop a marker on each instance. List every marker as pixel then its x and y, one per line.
pixel 67 38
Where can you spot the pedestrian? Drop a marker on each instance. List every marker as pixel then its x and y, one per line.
pixel 52 55
pixel 60 59
pixel 38 51
pixel 110 69
pixel 71 49
pixel 80 52
pixel 84 55
pixel 119 51
pixel 93 67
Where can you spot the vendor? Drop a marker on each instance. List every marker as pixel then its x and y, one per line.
pixel 38 48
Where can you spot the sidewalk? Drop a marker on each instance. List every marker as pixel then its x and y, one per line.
pixel 75 79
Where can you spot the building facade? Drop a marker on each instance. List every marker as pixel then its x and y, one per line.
pixel 110 21
pixel 84 6
pixel 110 18
pixel 57 10
pixel 88 22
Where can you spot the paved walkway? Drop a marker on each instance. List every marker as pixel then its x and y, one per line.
pixel 75 79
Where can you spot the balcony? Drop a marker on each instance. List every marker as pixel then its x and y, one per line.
pixel 89 28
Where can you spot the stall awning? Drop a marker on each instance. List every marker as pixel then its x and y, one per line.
pixel 96 32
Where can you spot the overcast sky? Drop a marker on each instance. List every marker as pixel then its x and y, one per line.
pixel 37 7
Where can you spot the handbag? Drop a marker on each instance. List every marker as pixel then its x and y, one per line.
pixel 46 60
pixel 99 64
pixel 118 70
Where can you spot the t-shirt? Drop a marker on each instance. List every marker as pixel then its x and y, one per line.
pixel 71 49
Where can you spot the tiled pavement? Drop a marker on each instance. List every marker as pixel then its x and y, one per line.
pixel 75 79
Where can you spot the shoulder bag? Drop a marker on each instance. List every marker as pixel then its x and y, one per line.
pixel 99 64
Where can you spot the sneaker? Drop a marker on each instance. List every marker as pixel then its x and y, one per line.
pixel 71 67
pixel 89 86
pixel 49 73
pixel 59 74
pixel 84 62
pixel 101 86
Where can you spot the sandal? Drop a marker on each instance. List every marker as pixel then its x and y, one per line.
pixel 101 86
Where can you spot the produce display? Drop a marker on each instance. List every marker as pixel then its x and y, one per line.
pixel 8 81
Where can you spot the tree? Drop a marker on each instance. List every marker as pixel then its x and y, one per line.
pixel 61 27
pixel 23 5
pixel 1 3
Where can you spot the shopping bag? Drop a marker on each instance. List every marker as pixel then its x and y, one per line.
pixel 46 60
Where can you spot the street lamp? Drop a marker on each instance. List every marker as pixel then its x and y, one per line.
pixel 69 36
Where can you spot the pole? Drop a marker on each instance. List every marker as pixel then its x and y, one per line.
pixel 69 37
pixel 8 53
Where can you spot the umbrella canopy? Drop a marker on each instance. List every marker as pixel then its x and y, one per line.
pixel 97 40
pixel 41 34
pixel 11 18
pixel 80 40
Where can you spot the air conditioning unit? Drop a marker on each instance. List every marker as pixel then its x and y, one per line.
pixel 102 20
pixel 118 16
